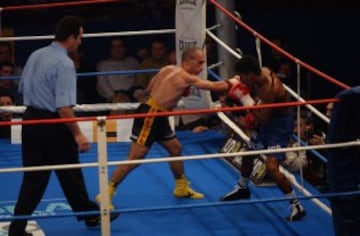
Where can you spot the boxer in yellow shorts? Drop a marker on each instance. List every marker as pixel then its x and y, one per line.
pixel 164 92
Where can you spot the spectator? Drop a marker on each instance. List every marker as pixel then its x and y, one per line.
pixel 6 55
pixel 7 69
pixel 172 57
pixel 314 168
pixel 5 51
pixel 157 60
pixel 5 100
pixel 109 85
pixel 211 122
pixel 297 160
pixel 142 54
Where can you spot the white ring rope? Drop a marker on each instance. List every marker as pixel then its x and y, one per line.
pixel 309 106
pixel 100 35
pixel 81 107
pixel 121 106
pixel 184 158
pixel 231 124
pixel 258 51
pixel 216 39
pixel 91 35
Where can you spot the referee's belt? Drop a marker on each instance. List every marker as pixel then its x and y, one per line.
pixel 151 102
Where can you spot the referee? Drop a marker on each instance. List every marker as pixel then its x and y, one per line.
pixel 48 85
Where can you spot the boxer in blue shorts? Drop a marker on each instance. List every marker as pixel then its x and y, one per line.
pixel 270 128
pixel 164 92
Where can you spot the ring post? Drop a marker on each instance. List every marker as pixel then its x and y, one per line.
pixel 103 176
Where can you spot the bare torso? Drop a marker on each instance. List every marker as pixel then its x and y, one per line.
pixel 168 86
pixel 269 89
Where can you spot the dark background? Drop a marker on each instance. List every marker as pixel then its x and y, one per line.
pixel 322 33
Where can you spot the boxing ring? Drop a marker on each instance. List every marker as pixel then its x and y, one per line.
pixel 145 198
pixel 147 206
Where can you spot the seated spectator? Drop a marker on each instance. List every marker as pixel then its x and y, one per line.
pixel 137 94
pixel 6 55
pixel 5 51
pixel 297 160
pixel 7 69
pixel 172 57
pixel 210 122
pixel 314 168
pixel 142 54
pixel 5 100
pixel 108 85
pixel 119 97
pixel 157 60
pixel 191 125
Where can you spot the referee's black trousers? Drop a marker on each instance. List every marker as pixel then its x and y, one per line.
pixel 48 144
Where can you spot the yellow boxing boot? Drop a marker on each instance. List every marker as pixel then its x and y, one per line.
pixel 182 189
pixel 111 193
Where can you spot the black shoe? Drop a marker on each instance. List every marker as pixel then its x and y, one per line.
pixel 297 212
pixel 237 194
pixel 24 234
pixel 96 220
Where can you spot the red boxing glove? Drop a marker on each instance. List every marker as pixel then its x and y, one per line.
pixel 240 93
pixel 250 121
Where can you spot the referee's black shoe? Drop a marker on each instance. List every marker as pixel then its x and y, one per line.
pixel 96 220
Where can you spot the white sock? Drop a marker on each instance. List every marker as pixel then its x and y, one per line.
pixel 292 195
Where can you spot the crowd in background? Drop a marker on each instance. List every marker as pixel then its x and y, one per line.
pixel 111 88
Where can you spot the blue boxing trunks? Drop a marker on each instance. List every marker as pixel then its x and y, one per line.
pixel 275 134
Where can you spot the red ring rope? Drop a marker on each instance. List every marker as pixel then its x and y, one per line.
pixel 59 4
pixel 171 113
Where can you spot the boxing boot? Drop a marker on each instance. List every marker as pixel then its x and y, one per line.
pixel 297 211
pixel 236 194
pixel 111 192
pixel 182 190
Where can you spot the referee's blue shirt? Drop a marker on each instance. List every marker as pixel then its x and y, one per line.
pixel 48 80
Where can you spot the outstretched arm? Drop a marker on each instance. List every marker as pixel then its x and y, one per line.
pixel 217 86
